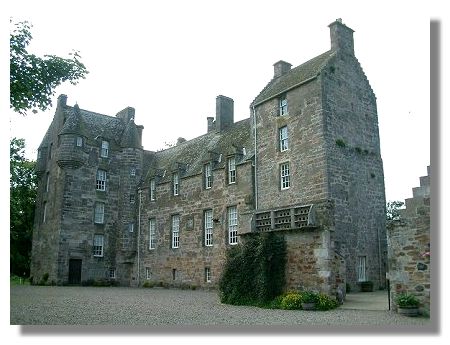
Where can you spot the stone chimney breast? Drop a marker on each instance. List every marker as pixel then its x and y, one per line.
pixel 281 67
pixel 224 112
pixel 341 37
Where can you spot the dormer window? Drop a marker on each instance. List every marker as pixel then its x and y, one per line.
pixel 104 152
pixel 176 184
pixel 208 176
pixel 283 105
pixel 231 170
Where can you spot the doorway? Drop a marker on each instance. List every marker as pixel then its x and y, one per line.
pixel 75 271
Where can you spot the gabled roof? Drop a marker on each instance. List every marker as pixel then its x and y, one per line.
pixel 190 156
pixel 294 77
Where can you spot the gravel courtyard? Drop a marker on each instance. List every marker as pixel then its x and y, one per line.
pixel 55 305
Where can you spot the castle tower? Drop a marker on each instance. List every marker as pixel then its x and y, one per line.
pixel 317 138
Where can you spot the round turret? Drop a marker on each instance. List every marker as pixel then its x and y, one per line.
pixel 70 153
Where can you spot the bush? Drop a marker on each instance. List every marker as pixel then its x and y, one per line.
pixel 325 302
pixel 292 301
pixel 148 284
pixel 261 260
pixel 405 300
pixel 309 297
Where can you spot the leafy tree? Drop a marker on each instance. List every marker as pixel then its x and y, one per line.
pixel 23 188
pixel 33 79
pixel 392 209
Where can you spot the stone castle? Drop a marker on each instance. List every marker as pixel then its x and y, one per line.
pixel 305 164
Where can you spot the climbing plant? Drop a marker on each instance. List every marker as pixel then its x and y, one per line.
pixel 254 272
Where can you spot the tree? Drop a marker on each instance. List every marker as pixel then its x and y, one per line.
pixel 23 189
pixel 33 79
pixel 392 209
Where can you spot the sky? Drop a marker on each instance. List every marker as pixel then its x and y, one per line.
pixel 169 60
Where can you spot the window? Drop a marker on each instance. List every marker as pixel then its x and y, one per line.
pixel 100 183
pixel 174 273
pixel 132 198
pixel 361 269
pixel 148 273
pixel 231 170
pixel 208 176
pixel 133 172
pixel 112 273
pixel 39 156
pixel 152 233
pixel 207 274
pixel 79 142
pixel 283 135
pixel 50 151
pixel 44 215
pixel 232 225
pixel 98 245
pixel 130 227
pixel 283 105
pixel 104 152
pixel 152 189
pixel 99 213
pixel 284 176
pixel 175 231
pixel 176 184
pixel 208 228
pixel 47 182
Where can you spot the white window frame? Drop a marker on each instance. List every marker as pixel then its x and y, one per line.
pixel 99 213
pixel 283 138
pixel 152 189
pixel 104 151
pixel 361 268
pixel 152 233
pixel 130 227
pixel 39 154
pixel 176 184
pixel 148 273
pixel 112 273
pixel 232 225
pixel 208 223
pixel 79 142
pixel 208 176
pixel 133 172
pixel 283 105
pixel 208 274
pixel 176 231
pixel 231 170
pixel 285 181
pixel 98 244
pixel 100 180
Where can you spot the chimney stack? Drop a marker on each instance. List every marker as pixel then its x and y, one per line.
pixel 281 67
pixel 210 123
pixel 224 112
pixel 341 37
pixel 126 114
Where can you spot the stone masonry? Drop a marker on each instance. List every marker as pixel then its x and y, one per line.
pixel 306 163
pixel 409 247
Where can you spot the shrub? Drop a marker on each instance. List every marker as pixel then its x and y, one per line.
pixel 291 301
pixel 340 143
pixel 148 284
pixel 309 297
pixel 405 300
pixel 325 302
pixel 261 259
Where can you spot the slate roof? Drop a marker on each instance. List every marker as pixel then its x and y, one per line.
pixel 190 156
pixel 294 77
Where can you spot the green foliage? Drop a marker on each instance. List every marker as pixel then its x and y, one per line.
pixel 33 79
pixel 309 297
pixel 254 271
pixel 291 301
pixel 340 143
pixel 325 302
pixel 15 280
pixel 392 209
pixel 23 189
pixel 406 300
pixel 148 284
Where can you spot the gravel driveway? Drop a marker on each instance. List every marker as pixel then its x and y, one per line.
pixel 55 305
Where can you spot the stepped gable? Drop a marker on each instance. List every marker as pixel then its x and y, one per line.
pixel 294 77
pixel 193 154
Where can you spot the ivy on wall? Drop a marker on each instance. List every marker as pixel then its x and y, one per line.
pixel 254 272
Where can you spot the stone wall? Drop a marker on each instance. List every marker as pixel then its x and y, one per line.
pixel 409 247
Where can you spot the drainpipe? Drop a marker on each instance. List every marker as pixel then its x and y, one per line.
pixel 255 155
pixel 139 238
